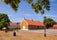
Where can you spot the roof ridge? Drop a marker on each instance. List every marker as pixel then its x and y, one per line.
pixel 33 21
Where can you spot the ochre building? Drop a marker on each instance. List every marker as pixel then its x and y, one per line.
pixel 31 25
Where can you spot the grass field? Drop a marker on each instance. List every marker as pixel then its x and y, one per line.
pixel 22 35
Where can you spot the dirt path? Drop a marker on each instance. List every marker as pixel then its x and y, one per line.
pixel 22 35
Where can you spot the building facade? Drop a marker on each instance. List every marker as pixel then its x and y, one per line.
pixel 13 25
pixel 55 26
pixel 31 25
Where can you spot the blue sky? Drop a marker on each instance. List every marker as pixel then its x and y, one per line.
pixel 26 11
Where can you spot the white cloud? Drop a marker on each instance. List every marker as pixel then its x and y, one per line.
pixel 50 15
pixel 27 14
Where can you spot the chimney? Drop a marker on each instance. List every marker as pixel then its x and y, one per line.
pixel 24 17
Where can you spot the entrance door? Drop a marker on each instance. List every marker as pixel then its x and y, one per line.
pixel 23 27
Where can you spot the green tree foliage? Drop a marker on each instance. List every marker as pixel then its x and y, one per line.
pixel 49 22
pixel 39 5
pixel 4 20
pixel 13 3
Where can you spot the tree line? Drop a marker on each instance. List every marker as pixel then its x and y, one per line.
pixel 4 21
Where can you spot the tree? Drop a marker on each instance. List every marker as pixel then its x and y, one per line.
pixel 39 5
pixel 4 20
pixel 49 22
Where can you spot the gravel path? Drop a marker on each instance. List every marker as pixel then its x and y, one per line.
pixel 48 31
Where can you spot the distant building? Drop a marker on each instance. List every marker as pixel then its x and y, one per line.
pixel 55 26
pixel 14 25
pixel 30 24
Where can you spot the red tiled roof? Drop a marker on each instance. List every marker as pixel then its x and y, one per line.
pixel 37 23
pixel 13 24
pixel 55 25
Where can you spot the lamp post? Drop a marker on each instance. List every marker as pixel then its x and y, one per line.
pixel 44 31
pixel 44 27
